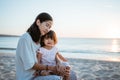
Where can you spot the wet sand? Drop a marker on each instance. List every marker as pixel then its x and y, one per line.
pixel 84 68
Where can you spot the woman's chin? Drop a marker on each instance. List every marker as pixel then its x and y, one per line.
pixel 43 34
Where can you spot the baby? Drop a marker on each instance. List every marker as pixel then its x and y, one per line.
pixel 48 55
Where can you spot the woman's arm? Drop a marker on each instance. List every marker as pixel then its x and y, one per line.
pixel 43 67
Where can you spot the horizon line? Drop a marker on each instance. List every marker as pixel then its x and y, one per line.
pixel 10 35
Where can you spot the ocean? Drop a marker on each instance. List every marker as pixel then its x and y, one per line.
pixel 86 48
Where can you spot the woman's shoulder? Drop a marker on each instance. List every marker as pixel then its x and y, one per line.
pixel 26 36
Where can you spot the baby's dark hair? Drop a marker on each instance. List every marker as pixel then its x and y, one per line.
pixel 51 34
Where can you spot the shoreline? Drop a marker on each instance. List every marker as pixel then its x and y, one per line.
pixel 80 56
pixel 98 57
pixel 85 69
pixel 7 54
pixel 112 57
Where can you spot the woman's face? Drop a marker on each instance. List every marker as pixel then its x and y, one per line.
pixel 45 27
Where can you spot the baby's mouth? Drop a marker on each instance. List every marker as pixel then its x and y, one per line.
pixel 48 43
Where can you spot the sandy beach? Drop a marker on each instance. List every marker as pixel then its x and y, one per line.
pixel 85 69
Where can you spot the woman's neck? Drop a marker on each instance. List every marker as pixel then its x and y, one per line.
pixel 37 43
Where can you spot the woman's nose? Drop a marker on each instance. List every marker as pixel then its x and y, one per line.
pixel 47 30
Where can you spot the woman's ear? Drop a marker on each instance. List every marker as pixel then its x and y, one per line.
pixel 38 22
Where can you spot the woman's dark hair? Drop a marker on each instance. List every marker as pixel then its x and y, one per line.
pixel 51 34
pixel 33 30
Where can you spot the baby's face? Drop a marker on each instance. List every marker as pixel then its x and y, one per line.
pixel 49 42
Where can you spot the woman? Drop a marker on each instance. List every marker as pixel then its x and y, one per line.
pixel 26 61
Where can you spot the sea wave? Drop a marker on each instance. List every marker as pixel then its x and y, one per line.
pixel 71 51
pixel 1 48
pixel 88 51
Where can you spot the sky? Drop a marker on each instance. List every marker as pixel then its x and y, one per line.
pixel 72 18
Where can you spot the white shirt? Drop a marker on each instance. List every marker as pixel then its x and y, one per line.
pixel 25 57
pixel 48 56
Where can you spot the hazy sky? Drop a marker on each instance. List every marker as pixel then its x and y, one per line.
pixel 72 18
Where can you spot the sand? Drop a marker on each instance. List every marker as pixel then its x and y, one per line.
pixel 7 67
pixel 85 69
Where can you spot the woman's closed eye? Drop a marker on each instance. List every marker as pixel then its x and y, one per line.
pixel 48 25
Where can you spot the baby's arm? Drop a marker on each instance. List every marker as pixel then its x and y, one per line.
pixel 39 57
pixel 62 60
pixel 64 63
pixel 61 57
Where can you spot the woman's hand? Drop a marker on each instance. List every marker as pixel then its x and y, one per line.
pixel 67 71
pixel 63 70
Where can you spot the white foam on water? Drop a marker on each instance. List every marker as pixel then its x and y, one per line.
pixel 104 57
